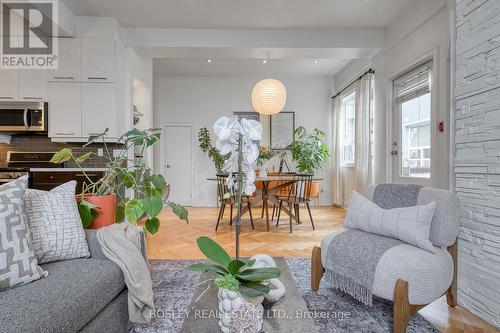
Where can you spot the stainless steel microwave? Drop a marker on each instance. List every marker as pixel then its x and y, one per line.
pixel 23 117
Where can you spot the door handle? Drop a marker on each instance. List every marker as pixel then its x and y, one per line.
pixel 168 166
pixel 25 118
pixel 394 152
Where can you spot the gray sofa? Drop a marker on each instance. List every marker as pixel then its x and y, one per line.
pixel 87 295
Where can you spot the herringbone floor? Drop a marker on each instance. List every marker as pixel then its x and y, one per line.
pixel 176 240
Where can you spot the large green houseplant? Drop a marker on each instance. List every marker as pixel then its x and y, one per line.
pixel 309 150
pixel 122 172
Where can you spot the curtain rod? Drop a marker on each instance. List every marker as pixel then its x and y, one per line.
pixel 369 71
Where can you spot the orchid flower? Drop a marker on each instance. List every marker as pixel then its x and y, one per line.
pixel 229 131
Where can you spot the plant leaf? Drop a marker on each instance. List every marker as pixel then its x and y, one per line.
pixel 158 181
pixel 88 212
pixel 133 210
pixel 235 265
pixel 213 251
pixel 120 212
pixel 250 263
pixel 127 178
pixel 84 157
pixel 62 156
pixel 179 210
pixel 253 289
pixel 259 274
pixel 152 225
pixel 199 267
pixel 152 205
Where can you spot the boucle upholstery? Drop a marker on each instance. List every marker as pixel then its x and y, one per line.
pixel 428 274
pixel 446 221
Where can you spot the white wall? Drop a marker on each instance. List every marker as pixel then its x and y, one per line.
pixel 203 99
pixel 420 31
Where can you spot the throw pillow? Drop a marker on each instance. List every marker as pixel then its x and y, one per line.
pixel 18 264
pixel 411 225
pixel 55 226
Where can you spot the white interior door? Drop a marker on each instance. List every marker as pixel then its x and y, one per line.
pixel 178 162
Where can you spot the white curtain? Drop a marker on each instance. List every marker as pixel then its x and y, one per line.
pixel 337 187
pixel 364 132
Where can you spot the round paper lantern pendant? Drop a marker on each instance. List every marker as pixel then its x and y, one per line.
pixel 269 96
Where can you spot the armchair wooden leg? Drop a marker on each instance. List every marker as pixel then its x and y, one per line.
pixel 451 293
pixel 402 308
pixel 317 269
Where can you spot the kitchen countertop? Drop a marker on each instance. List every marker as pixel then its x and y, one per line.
pixel 67 169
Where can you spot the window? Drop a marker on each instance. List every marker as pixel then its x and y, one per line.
pixel 412 93
pixel 348 129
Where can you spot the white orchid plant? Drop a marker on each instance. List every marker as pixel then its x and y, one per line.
pixel 240 138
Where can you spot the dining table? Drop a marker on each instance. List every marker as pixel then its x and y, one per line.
pixel 265 193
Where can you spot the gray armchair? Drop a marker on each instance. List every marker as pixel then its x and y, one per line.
pixel 409 276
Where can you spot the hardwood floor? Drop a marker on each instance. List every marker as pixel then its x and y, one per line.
pixel 176 240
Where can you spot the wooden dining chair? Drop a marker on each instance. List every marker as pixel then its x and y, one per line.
pixel 222 189
pixel 298 194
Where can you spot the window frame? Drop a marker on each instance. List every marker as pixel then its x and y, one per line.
pixel 348 97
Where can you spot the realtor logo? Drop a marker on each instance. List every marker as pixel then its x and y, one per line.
pixel 28 30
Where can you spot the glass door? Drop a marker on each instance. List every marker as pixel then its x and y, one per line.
pixel 412 134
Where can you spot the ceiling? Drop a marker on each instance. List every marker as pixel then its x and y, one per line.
pixel 240 14
pixel 248 67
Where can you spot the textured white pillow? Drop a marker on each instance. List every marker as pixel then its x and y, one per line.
pixel 411 225
pixel 55 227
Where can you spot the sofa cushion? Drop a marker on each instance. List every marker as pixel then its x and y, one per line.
pixel 428 274
pixel 73 293
pixel 18 264
pixel 55 226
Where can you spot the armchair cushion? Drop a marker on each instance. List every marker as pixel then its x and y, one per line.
pixel 428 274
pixel 446 221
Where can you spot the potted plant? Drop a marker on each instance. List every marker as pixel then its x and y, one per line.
pixel 102 202
pixel 205 144
pixel 265 154
pixel 310 152
pixel 237 281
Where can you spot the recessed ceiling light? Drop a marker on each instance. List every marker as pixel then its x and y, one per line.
pixel 316 61
pixel 264 61
pixel 209 60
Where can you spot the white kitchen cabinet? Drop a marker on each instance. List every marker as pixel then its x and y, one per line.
pixel 65 110
pixel 98 60
pixel 70 61
pixel 9 84
pixel 32 84
pixel 99 109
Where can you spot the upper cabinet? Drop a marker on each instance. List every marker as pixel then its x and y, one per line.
pixel 70 61
pixel 9 84
pixel 98 60
pixel 32 84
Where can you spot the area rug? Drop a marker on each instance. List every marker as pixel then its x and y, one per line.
pixel 332 311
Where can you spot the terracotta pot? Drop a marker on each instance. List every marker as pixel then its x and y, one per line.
pixel 106 209
pixel 315 190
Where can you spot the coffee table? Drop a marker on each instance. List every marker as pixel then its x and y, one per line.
pixel 288 315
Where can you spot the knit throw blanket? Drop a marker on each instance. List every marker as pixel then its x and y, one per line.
pixel 353 256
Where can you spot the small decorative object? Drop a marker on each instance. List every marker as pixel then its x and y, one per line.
pixel 207 147
pixel 309 150
pixel 277 289
pixel 239 282
pixel 121 172
pixel 269 97
pixel 265 154
pixel 243 319
pixel 251 115
pixel 282 127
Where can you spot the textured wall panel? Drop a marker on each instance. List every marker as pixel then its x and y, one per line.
pixel 477 159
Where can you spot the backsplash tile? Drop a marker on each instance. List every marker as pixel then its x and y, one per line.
pixel 44 144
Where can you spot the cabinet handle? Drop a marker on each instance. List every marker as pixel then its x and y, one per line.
pixel 88 175
pixel 37 98
pixel 63 133
pixel 98 78
pixel 64 77
pixel 5 97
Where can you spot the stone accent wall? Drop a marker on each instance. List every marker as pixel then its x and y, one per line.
pixel 477 163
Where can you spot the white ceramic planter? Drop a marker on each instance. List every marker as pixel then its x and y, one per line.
pixel 230 301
